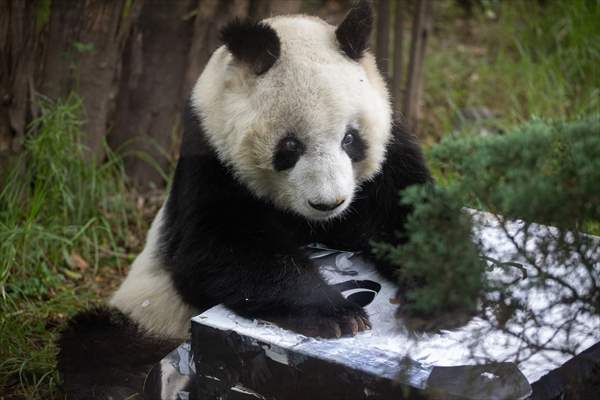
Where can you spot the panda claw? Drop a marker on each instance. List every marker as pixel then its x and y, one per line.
pixel 314 327
pixel 361 324
pixel 349 323
pixel 337 330
pixel 366 323
pixel 354 326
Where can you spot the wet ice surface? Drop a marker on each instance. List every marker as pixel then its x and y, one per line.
pixel 537 342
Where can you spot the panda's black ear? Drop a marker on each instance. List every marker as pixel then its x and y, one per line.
pixel 353 33
pixel 253 43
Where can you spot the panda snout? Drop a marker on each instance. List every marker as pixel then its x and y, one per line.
pixel 327 206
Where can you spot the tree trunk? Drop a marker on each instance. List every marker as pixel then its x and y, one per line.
pixel 383 36
pixel 19 53
pixel 398 81
pixel 85 41
pixel 420 32
pixel 53 48
pixel 150 100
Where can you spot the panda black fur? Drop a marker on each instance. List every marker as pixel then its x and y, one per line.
pixel 288 140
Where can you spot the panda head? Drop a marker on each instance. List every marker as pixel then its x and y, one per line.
pixel 297 109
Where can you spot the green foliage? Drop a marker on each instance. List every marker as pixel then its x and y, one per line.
pixel 439 263
pixel 544 172
pixel 55 204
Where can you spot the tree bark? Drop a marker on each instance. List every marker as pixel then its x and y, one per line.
pixel 86 39
pixel 53 48
pixel 150 99
pixel 19 47
pixel 398 81
pixel 420 32
pixel 383 36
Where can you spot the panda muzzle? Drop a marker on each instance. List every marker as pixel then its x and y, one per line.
pixel 326 206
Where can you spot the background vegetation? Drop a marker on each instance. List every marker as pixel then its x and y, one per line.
pixel 70 226
pixel 510 61
pixel 67 227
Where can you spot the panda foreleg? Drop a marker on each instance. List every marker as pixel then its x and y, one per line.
pixel 274 282
pixel 307 304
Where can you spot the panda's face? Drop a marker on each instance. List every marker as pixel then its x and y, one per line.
pixel 305 133
pixel 314 174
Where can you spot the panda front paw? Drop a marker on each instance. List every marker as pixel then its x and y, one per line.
pixel 344 321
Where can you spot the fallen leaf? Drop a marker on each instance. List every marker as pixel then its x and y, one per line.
pixel 78 262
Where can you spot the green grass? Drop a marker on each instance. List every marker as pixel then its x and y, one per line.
pixel 64 228
pixel 517 58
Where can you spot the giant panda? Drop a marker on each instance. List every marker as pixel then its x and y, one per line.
pixel 288 140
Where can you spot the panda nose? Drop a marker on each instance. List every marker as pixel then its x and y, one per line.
pixel 326 206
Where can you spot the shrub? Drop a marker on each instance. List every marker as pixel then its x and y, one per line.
pixel 541 173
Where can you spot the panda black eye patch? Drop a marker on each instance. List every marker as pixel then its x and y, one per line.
pixel 354 145
pixel 287 153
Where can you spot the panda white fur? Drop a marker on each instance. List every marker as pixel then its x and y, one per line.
pixel 288 140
